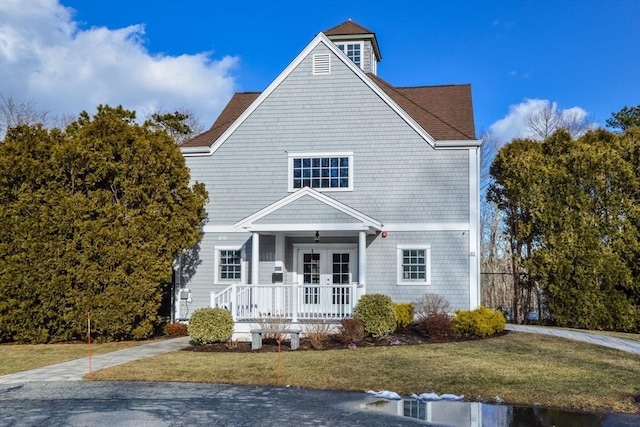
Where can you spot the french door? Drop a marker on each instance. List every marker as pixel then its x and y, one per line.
pixel 326 274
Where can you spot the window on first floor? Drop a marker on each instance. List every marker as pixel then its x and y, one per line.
pixel 321 171
pixel 414 264
pixel 229 265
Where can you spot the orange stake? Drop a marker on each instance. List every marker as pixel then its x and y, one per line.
pixel 278 367
pixel 89 339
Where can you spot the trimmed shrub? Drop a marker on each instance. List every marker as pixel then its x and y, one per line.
pixel 404 314
pixel 431 304
pixel 208 325
pixel 351 331
pixel 176 330
pixel 436 326
pixel 377 314
pixel 479 323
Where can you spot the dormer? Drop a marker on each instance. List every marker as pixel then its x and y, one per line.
pixel 358 43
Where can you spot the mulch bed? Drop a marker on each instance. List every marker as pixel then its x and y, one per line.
pixel 408 336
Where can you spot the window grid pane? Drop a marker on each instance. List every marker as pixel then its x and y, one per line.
pixel 230 265
pixel 321 172
pixel 414 265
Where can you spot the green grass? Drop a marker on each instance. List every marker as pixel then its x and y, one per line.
pixel 21 357
pixel 519 368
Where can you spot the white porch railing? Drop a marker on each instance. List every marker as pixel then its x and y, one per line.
pixel 294 302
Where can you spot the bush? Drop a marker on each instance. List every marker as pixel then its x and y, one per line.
pixel 404 314
pixel 431 304
pixel 208 325
pixel 176 330
pixel 479 323
pixel 377 314
pixel 351 331
pixel 436 326
pixel 318 334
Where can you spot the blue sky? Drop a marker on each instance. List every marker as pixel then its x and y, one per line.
pixel 70 55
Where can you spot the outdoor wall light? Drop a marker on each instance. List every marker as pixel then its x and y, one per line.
pixel 317 238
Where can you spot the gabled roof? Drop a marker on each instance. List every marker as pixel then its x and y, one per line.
pixel 236 106
pixel 350 30
pixel 445 112
pixel 442 115
pixel 360 221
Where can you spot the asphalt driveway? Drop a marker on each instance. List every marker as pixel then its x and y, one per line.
pixel 140 404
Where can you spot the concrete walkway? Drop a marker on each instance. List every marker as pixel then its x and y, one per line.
pixel 74 370
pixel 629 346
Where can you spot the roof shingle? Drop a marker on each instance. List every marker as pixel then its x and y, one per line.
pixel 347 28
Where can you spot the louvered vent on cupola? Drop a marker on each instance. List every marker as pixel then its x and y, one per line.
pixel 321 64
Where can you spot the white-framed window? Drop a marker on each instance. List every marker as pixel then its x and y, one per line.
pixel 414 264
pixel 330 171
pixel 229 264
pixel 353 50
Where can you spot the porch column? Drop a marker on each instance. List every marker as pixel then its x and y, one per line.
pixel 255 258
pixel 362 258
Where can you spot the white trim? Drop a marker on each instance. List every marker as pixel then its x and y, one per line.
pixel 427 255
pixel 362 258
pixel 219 228
pixel 319 39
pixel 434 226
pixel 392 227
pixel 255 258
pixel 319 155
pixel 364 222
pixel 195 151
pixel 216 264
pixel 474 232
pixel 457 144
pixel 311 226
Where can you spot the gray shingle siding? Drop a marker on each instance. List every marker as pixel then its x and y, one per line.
pixel 306 210
pixel 449 266
pixel 398 177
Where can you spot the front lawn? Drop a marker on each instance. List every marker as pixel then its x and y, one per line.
pixel 518 368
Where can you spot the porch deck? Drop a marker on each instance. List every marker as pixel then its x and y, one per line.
pixel 296 302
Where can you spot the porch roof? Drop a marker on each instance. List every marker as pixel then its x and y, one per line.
pixel 308 210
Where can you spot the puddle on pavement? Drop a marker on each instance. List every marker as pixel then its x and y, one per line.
pixel 475 414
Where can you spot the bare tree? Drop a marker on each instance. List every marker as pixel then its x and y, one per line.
pixel 550 118
pixel 14 113
pixel 496 275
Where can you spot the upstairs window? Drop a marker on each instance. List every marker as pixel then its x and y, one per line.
pixel 353 51
pixel 321 171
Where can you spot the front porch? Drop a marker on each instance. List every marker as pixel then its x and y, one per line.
pixel 293 303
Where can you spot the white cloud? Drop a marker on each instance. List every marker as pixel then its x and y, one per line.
pixel 46 59
pixel 515 123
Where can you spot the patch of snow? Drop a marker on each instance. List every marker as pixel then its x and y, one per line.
pixel 385 394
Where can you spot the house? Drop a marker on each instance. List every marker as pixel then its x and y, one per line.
pixel 332 183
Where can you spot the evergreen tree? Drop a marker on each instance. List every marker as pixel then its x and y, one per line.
pixel 91 219
pixel 574 203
